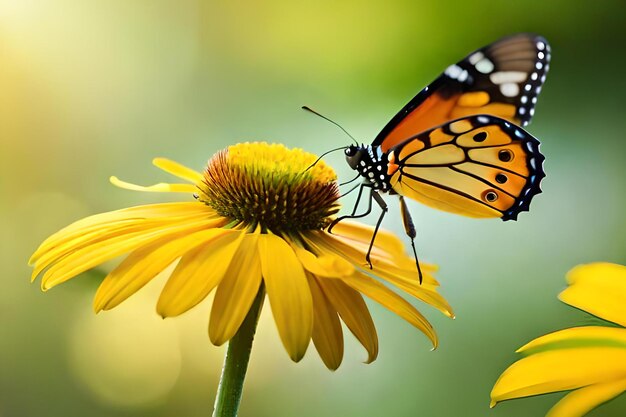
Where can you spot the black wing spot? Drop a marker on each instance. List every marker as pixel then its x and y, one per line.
pixel 490 196
pixel 505 155
pixel 480 137
pixel 501 178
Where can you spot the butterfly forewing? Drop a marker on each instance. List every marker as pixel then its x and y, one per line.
pixel 502 79
pixel 477 166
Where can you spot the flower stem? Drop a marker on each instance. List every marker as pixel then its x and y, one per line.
pixel 236 362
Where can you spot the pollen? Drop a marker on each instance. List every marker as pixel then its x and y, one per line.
pixel 268 185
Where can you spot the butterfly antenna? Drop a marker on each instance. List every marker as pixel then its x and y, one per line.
pixel 352 180
pixel 332 121
pixel 323 155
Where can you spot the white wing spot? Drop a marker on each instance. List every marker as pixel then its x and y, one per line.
pixel 527 87
pixel 532 112
pixel 523 99
pixel 534 76
pixel 483 119
pixel 541 55
pixel 476 57
pixel 453 71
pixel 509 89
pixel 463 76
pixel 485 66
pixel 538 65
pixel 541 46
pixel 522 110
pixel 538 90
pixel 534 100
pixel 503 77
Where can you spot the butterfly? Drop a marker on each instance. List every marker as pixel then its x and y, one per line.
pixel 459 145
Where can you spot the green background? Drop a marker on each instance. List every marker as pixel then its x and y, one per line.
pixel 92 89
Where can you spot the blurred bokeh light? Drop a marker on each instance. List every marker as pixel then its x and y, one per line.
pixel 92 89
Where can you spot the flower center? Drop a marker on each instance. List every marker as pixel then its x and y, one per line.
pixel 271 186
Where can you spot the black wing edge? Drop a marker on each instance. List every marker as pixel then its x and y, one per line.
pixel 534 161
pixel 453 85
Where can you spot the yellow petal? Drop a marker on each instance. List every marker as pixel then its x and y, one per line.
pixel 236 291
pixel 392 301
pixel 144 264
pixel 178 170
pixel 424 292
pixel 580 402
pixel 587 336
pixel 288 292
pixel 197 273
pixel 161 187
pixel 559 370
pixel 327 334
pixel 326 265
pixel 128 215
pixel 357 256
pixel 360 232
pixel 600 289
pixel 353 311
pixel 87 257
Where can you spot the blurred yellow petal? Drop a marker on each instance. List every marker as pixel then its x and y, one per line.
pixel 423 291
pixel 144 264
pixel 326 265
pixel 198 272
pixel 588 336
pixel 356 255
pixel 288 292
pixel 392 301
pixel 354 313
pixel 161 187
pixel 327 333
pixel 559 370
pixel 598 288
pixel 236 291
pixel 358 232
pixel 178 170
pixel 168 212
pixel 580 402
pixel 87 257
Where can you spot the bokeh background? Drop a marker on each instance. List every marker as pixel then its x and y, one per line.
pixel 99 88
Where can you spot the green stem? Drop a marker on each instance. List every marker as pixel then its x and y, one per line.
pixel 236 362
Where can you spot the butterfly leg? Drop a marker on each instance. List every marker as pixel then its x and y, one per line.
pixel 356 206
pixel 409 228
pixel 375 196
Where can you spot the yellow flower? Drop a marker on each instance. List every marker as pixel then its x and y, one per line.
pixel 257 223
pixel 590 360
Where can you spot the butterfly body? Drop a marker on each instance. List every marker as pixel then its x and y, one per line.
pixel 458 145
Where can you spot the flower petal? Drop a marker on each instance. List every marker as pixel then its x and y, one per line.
pixel 600 289
pixel 353 311
pixel 326 265
pixel 362 233
pixel 393 302
pixel 161 187
pixel 327 333
pixel 236 291
pixel 86 257
pixel 198 272
pixel 588 336
pixel 165 211
pixel 289 294
pixel 178 170
pixel 553 370
pixel 580 402
pixel 144 264
pixel 357 256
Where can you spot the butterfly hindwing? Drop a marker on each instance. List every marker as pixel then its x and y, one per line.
pixel 502 79
pixel 477 166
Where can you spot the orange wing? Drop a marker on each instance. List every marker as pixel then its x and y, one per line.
pixel 477 166
pixel 502 79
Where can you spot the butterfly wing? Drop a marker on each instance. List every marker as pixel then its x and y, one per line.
pixel 502 79
pixel 477 166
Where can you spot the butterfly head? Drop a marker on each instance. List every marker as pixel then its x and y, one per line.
pixel 354 155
